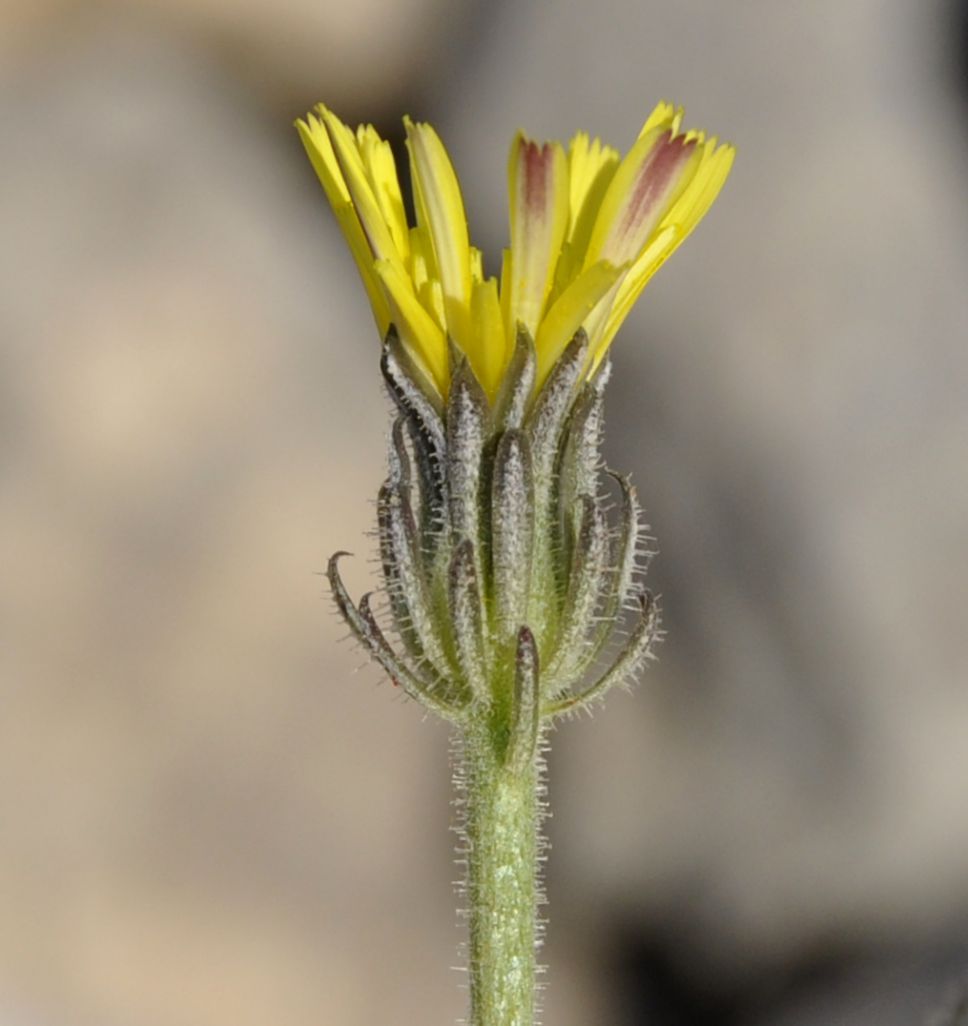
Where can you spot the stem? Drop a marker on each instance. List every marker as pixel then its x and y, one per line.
pixel 502 817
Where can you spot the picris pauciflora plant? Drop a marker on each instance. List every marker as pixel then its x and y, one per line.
pixel 511 560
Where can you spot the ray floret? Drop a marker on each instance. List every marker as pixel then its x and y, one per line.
pixel 588 229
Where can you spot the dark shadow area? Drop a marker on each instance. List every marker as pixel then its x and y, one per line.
pixel 850 984
pixel 958 47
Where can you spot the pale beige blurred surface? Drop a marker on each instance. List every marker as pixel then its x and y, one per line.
pixel 205 816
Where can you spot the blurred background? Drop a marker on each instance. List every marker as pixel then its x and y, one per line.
pixel 209 814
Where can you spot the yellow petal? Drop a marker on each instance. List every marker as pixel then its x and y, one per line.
pixel 682 217
pixel 590 168
pixel 664 116
pixel 510 329
pixel 477 265
pixel 422 267
pixel 692 205
pixel 442 211
pixel 347 151
pixel 381 170
pixel 423 275
pixel 538 189
pixel 320 150
pixel 315 139
pixel 649 180
pixel 490 349
pixel 570 311
pixel 587 159
pixel 417 328
pixel 652 258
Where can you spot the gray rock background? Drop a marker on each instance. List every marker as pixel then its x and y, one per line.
pixel 207 816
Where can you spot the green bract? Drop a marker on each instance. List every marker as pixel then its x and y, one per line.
pixel 507 572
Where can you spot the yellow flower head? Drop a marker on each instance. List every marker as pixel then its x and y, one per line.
pixel 589 228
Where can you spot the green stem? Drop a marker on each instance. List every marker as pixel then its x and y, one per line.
pixel 502 819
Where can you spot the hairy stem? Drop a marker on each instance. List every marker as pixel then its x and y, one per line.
pixel 503 815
